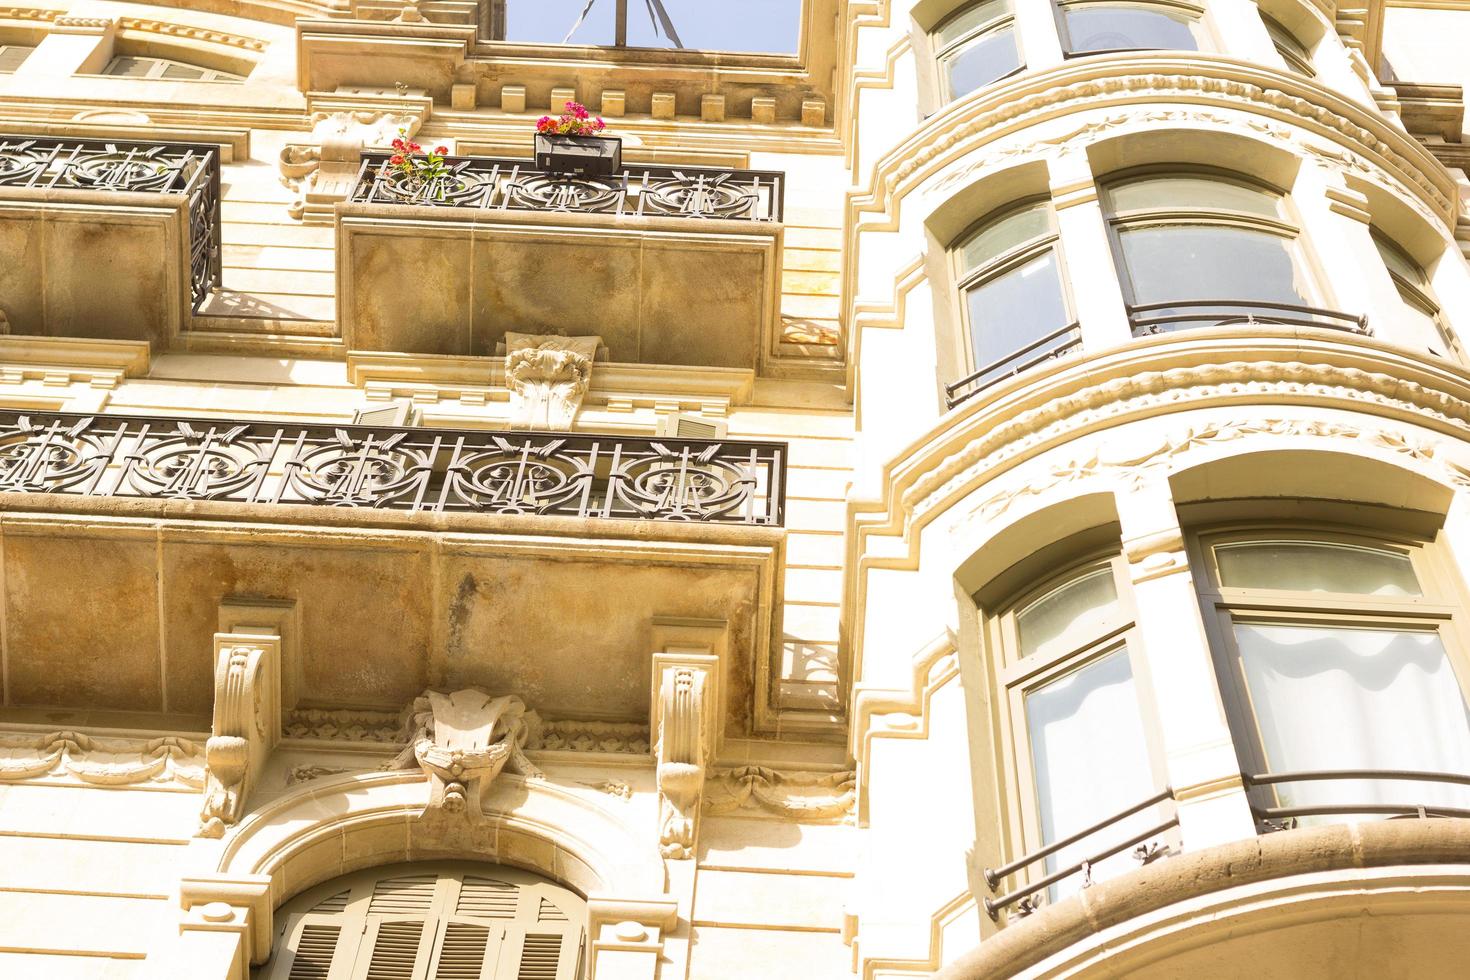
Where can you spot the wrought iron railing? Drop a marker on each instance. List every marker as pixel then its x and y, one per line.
pixel 491 184
pixel 1055 344
pixel 1276 817
pixel 190 169
pixel 1156 318
pixel 407 469
pixel 1025 896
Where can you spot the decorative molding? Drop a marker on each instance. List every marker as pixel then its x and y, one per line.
pixel 306 773
pixel 247 724
pixel 344 725
pixel 462 740
pixel 686 687
pixel 75 757
pixel 802 796
pixel 325 171
pixel 66 24
pixel 625 738
pixel 102 364
pixel 191 33
pixel 548 377
pixel 30 13
pixel 387 728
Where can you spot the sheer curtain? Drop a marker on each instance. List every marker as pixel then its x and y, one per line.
pixel 1090 760
pixel 1336 697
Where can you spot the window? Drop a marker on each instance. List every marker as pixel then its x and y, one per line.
pixel 1419 317
pixel 977 46
pixel 421 921
pixel 1016 310
pixel 1338 652
pixel 755 26
pixel 1292 51
pixel 1202 249
pixel 11 55
pixel 1097 27
pixel 1069 665
pixel 126 66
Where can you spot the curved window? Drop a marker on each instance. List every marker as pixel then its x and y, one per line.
pixel 1292 50
pixel 1420 320
pixel 416 921
pixel 1079 722
pixel 1097 27
pixel 1200 250
pixel 977 46
pixel 1335 653
pixel 127 66
pixel 1015 305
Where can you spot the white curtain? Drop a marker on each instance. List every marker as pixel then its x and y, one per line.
pixel 1348 698
pixel 1090 760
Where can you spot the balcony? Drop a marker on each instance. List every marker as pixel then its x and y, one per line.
pixel 668 265
pixel 1148 319
pixel 127 233
pixel 395 559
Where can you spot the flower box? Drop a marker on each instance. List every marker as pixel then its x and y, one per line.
pixel 587 156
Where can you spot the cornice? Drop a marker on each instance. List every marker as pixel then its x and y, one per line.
pixel 191 33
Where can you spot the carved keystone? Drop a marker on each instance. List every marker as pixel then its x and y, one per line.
pixel 548 377
pixel 247 724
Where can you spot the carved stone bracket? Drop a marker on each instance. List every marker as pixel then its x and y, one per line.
pixel 794 795
pixel 323 172
pixel 684 706
pixel 247 724
pixel 462 741
pixel 548 377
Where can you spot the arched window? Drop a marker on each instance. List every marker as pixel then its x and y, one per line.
pixel 1296 54
pixel 1080 723
pixel 1204 249
pixel 1016 308
pixel 1338 652
pixel 128 66
pixel 1420 319
pixel 431 922
pixel 976 46
pixel 1100 26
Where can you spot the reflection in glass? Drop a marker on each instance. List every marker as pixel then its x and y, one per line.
pixel 1192 194
pixel 1335 697
pixel 1108 27
pixel 1068 616
pixel 1316 566
pixel 1012 311
pixel 754 26
pixel 1007 234
pixel 987 59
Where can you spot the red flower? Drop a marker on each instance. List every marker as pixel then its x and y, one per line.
pixel 441 150
pixel 396 159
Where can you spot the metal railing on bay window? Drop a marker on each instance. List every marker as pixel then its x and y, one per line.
pixel 1058 343
pixel 494 184
pixel 188 169
pixel 400 469
pixel 1156 318
pixel 1284 815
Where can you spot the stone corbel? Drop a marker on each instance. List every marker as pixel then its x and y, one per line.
pixel 247 724
pixel 225 927
pixel 686 714
pixel 548 377
pixel 462 741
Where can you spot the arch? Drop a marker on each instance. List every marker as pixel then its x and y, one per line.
pixel 1238 153
pixel 1015 551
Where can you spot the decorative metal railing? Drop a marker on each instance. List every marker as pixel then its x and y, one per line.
pixel 191 169
pixel 1026 896
pixel 491 184
pixel 1059 343
pixel 1276 817
pixel 408 469
pixel 1156 318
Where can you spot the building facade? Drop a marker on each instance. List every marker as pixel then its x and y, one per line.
pixel 973 489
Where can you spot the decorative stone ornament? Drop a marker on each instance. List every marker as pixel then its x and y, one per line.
pixel 325 173
pixel 685 744
pixel 462 741
pixel 548 377
pixel 247 725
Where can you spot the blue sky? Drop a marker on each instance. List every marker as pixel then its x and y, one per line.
pixel 744 25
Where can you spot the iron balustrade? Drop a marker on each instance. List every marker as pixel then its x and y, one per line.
pixel 1269 815
pixel 1056 344
pixel 189 169
pixel 492 184
pixel 1025 894
pixel 403 469
pixel 1156 318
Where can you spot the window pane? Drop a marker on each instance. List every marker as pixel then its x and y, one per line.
pixel 970 19
pixel 1090 760
pixel 549 21
pixel 982 61
pixel 1334 697
pixel 1292 51
pixel 762 26
pixel 1400 264
pixel 1192 194
pixel 1097 27
pixel 11 56
pixel 1223 267
pixel 129 67
pixel 1307 566
pixel 1007 234
pixel 182 72
pixel 1015 310
pixel 1068 616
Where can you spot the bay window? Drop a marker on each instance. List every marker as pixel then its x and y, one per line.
pixel 1101 26
pixel 975 47
pixel 1419 318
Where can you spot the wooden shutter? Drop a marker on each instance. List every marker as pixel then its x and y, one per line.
pixel 394 413
pixel 395 949
pixel 315 947
pixel 11 55
pixel 690 427
pixel 540 952
pixel 467 949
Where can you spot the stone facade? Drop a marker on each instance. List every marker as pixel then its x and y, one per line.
pixel 695 573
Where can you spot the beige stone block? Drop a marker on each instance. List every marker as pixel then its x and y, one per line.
pixel 763 110
pixel 688 308
pixel 410 294
pixel 614 102
pixel 524 851
pixel 744 898
pixel 32 921
pixel 712 108
pixel 719 954
pixel 662 104
pixel 513 98
pixel 108 867
pixel 763 843
pixel 813 585
pixel 79 811
pixel 462 96
pixel 813 112
pixel 52 967
pixel 560 97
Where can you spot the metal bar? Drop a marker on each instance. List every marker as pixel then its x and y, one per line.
pixel 1344 809
pixel 1270 778
pixel 993 876
pixel 996 365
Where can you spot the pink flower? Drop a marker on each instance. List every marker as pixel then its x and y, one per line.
pixel 396 159
pixel 441 150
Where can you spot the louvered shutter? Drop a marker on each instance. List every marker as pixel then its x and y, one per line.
pixel 125 67
pixel 394 413
pixel 690 427
pixel 395 949
pixel 539 952
pixel 11 55
pixel 467 949
pixel 316 947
